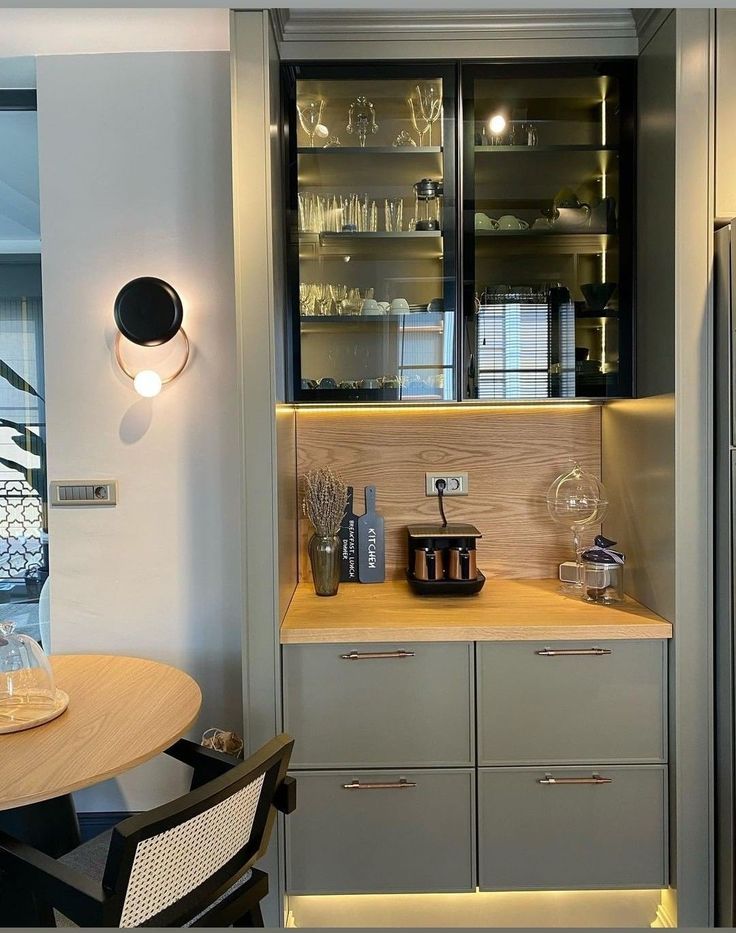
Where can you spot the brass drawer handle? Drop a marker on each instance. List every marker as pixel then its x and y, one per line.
pixel 379 785
pixel 375 655
pixel 593 779
pixel 573 652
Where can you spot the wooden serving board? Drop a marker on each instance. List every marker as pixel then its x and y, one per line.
pixel 23 716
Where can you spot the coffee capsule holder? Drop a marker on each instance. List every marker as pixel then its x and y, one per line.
pixel 441 537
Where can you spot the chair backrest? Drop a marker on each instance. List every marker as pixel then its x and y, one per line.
pixel 165 866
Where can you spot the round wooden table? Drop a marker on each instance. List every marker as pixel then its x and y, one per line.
pixel 122 711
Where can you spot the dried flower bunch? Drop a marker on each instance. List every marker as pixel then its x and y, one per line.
pixel 324 500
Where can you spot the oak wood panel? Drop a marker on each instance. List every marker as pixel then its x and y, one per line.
pixel 511 456
pixel 504 610
pixel 122 711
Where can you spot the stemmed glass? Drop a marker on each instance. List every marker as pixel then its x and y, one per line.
pixel 362 119
pixel 427 110
pixel 310 117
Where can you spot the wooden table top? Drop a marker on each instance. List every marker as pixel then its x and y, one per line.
pixel 504 610
pixel 122 711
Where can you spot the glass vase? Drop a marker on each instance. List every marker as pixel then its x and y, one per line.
pixel 324 556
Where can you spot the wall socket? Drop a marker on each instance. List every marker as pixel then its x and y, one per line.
pixel 456 484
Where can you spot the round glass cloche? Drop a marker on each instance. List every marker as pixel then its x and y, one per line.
pixel 28 695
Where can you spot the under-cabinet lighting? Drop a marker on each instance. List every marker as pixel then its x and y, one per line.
pixel 603 122
pixel 362 409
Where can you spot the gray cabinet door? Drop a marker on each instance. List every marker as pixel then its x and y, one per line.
pixel 547 836
pixel 385 838
pixel 374 709
pixel 540 702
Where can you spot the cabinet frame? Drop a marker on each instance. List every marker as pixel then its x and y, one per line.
pixel 291 72
pixel 624 70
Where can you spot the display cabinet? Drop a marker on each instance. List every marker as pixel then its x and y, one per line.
pixel 532 300
pixel 372 248
pixel 548 185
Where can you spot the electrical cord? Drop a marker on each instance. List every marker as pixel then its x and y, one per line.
pixel 440 485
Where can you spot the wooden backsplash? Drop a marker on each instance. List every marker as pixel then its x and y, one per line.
pixel 511 456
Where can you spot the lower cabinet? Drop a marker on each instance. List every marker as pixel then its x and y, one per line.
pixel 572 828
pixel 357 832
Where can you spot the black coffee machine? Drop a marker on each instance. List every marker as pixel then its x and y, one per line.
pixel 442 560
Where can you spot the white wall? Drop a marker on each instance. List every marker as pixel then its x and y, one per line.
pixel 135 169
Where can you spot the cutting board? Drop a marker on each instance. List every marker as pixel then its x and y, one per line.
pixel 349 543
pixel 371 542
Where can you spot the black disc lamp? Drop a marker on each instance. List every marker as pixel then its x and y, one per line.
pixel 149 313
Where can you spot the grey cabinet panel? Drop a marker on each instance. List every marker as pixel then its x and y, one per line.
pixel 534 836
pixel 557 709
pixel 413 839
pixel 380 712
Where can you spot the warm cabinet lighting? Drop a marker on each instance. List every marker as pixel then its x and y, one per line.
pixel 497 124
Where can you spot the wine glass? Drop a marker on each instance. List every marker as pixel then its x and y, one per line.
pixel 310 117
pixel 427 110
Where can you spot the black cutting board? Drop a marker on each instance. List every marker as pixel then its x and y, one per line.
pixel 349 543
pixel 371 545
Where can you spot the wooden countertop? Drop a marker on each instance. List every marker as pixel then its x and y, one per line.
pixel 504 610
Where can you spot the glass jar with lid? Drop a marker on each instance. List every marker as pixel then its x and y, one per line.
pixel 603 573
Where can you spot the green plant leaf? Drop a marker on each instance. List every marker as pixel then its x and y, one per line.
pixel 16 381
pixel 30 442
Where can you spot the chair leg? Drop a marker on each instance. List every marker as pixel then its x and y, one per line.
pixel 251 918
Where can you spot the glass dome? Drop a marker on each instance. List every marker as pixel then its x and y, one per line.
pixel 27 687
pixel 576 499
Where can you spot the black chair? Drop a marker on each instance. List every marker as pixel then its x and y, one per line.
pixel 187 863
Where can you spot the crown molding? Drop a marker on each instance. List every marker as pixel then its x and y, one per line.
pixel 647 23
pixel 343 25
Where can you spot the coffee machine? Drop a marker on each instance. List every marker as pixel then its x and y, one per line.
pixel 442 560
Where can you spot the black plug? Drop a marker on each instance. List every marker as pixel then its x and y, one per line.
pixel 440 485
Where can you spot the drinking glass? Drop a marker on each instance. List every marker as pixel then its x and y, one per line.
pixel 393 214
pixel 310 117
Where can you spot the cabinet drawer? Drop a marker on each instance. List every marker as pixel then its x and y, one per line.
pixel 543 703
pixel 381 838
pixel 376 709
pixel 546 836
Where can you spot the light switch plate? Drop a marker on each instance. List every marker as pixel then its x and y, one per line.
pixel 80 492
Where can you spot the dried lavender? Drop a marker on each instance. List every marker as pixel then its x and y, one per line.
pixel 324 500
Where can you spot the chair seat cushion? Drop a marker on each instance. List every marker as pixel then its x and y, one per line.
pixel 90 859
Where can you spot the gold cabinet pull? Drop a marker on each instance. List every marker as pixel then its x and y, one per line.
pixel 593 779
pixel 379 785
pixel 573 652
pixel 375 655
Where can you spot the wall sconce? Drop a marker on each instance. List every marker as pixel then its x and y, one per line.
pixel 148 312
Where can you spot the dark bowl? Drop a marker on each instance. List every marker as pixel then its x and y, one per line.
pixel 581 354
pixel 598 294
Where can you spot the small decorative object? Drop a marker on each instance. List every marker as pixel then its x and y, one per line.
pixel 603 572
pixel 324 500
pixel 222 741
pixel 597 295
pixel 403 141
pixel 425 112
pixel 333 142
pixel 427 204
pixel 575 500
pixel 28 695
pixel 310 117
pixel 349 542
pixel 371 545
pixel 362 119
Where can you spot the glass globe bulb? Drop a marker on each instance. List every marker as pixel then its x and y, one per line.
pixel 147 383
pixel 576 499
pixel 497 124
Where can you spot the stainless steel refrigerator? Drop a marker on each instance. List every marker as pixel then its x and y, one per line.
pixel 724 281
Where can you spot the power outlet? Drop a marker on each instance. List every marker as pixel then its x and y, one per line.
pixel 456 484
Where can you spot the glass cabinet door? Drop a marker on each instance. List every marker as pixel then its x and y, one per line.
pixel 372 232
pixel 547 220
